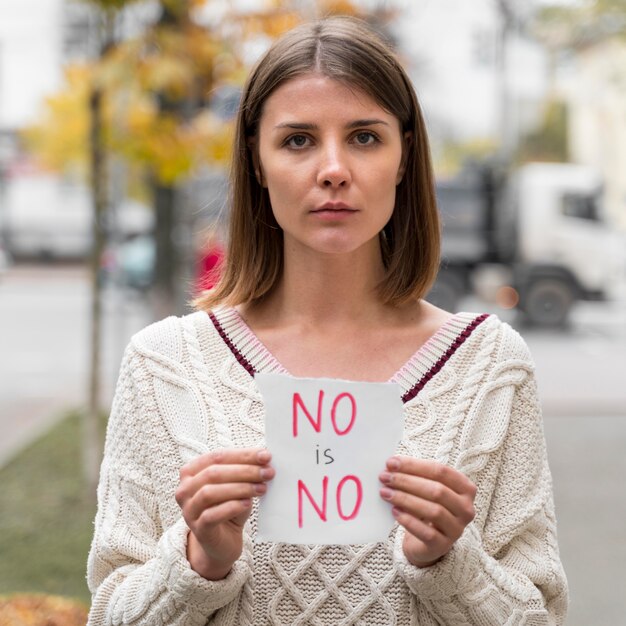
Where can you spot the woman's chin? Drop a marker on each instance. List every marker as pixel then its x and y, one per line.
pixel 336 244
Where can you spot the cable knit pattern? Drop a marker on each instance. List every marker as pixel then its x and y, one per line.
pixel 186 387
pixel 470 388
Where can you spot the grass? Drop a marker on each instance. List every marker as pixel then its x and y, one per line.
pixel 46 518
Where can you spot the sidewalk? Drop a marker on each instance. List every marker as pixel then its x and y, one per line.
pixel 588 464
pixel 44 359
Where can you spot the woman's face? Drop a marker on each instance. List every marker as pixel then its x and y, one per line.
pixel 330 158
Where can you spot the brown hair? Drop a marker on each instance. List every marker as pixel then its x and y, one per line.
pixel 347 50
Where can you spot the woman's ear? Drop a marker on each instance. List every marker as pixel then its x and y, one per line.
pixel 256 162
pixel 407 142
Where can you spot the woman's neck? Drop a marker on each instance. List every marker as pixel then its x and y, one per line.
pixel 324 291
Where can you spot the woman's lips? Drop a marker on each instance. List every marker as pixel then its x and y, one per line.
pixel 334 206
pixel 334 210
pixel 333 214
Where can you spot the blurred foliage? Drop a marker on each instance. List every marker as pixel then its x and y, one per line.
pixel 40 610
pixel 181 64
pixel 568 26
pixel 109 5
pixel 561 28
pixel 453 155
pixel 338 7
pixel 60 137
pixel 157 89
pixel 549 141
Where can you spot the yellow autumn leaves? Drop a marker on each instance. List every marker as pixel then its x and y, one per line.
pixel 35 610
pixel 157 91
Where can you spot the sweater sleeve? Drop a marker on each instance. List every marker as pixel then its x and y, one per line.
pixel 138 572
pixel 505 568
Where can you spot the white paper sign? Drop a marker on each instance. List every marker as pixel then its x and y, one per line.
pixel 329 441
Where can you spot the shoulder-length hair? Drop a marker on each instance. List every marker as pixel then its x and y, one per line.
pixel 347 50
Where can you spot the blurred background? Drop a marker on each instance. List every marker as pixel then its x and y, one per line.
pixel 115 128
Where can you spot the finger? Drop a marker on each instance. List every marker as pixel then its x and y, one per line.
pixel 241 456
pixel 222 474
pixel 215 495
pixel 215 474
pixel 432 491
pixel 432 470
pixel 432 539
pixel 430 512
pixel 221 513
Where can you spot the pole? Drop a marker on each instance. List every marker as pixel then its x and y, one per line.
pixel 91 423
pixel 91 438
pixel 505 104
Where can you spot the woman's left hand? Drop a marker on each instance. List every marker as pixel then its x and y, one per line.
pixel 433 502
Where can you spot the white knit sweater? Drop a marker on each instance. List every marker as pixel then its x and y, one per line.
pixel 186 387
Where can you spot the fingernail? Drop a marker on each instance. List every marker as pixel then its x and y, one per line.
pixel 260 487
pixel 395 511
pixel 386 493
pixel 385 477
pixel 264 456
pixel 246 502
pixel 266 473
pixel 393 463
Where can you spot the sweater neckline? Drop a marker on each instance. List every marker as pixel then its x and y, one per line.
pixel 425 363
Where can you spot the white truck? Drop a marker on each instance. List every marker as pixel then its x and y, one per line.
pixel 541 229
pixel 44 216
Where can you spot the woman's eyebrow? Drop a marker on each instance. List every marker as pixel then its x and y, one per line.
pixel 297 126
pixel 366 122
pixel 307 126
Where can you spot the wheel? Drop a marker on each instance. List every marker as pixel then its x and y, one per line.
pixel 547 302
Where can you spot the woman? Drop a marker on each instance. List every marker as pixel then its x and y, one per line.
pixel 334 242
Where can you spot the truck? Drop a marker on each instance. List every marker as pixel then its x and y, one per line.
pixel 46 216
pixel 541 229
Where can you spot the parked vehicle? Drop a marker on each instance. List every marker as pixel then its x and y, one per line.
pixel 542 226
pixel 131 263
pixel 48 217
pixel 5 260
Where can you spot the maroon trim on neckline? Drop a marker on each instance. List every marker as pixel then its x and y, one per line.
pixel 241 359
pixel 436 368
pixel 411 393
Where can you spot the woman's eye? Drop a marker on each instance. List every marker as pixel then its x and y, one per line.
pixel 297 141
pixel 365 138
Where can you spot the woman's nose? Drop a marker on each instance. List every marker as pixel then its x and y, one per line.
pixel 334 170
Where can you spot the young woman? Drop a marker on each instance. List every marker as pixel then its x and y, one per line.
pixel 334 242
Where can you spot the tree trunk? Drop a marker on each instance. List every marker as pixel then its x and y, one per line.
pixel 91 441
pixel 168 293
pixel 167 267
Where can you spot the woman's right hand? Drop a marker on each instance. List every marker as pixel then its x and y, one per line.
pixel 215 495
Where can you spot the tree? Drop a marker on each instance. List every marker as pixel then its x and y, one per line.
pixel 118 103
pixel 563 27
pixel 155 104
pixel 549 141
pixel 148 101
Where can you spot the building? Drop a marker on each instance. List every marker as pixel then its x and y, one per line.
pixel 597 116
pixel 43 213
pixel 30 57
pixel 477 74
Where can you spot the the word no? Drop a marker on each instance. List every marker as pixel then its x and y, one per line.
pixel 299 406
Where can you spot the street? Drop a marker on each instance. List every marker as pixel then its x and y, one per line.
pixel 44 332
pixel 588 467
pixel 44 347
